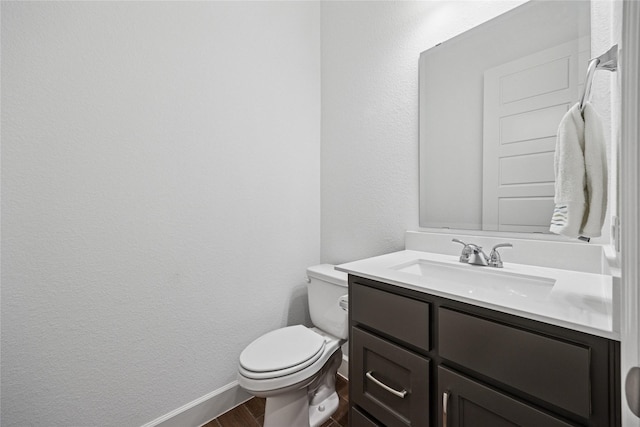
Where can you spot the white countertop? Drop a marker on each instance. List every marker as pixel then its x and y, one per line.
pixel 578 300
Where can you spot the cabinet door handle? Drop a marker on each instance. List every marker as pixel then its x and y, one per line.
pixel 401 394
pixel 445 404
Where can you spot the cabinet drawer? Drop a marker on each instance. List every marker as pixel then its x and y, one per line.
pixel 400 317
pixel 388 381
pixel 358 419
pixel 551 370
pixel 464 402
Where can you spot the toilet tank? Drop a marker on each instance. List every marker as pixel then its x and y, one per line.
pixel 327 287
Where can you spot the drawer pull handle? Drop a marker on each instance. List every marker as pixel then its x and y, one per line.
pixel 445 404
pixel 400 394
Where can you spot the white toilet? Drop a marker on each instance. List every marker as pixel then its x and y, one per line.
pixel 295 367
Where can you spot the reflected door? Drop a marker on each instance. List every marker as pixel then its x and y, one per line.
pixel 524 101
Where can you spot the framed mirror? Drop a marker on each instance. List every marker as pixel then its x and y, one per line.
pixel 491 100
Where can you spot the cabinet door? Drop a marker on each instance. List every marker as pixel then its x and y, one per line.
pixel 388 381
pixel 463 402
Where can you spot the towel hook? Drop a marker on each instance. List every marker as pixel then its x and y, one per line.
pixel 607 61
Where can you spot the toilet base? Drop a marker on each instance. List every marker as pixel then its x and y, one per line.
pixel 293 410
pixel 307 404
pixel 321 412
pixel 289 409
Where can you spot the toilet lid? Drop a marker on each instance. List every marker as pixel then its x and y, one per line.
pixel 283 348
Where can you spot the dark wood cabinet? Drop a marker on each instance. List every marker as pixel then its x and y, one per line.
pixel 421 360
pixel 467 403
pixel 394 387
pixel 358 419
pixel 404 319
pixel 553 370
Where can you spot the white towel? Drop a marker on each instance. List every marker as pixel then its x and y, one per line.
pixel 581 175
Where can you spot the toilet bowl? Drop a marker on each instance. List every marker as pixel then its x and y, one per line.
pixel 295 367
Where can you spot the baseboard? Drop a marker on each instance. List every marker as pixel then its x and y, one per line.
pixel 211 405
pixel 344 367
pixel 203 409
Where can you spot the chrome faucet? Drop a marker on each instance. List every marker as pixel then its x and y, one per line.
pixel 473 254
pixel 477 257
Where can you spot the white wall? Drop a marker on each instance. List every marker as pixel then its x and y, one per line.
pixel 370 54
pixel 606 30
pixel 160 199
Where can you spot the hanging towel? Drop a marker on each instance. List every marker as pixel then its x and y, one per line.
pixel 581 175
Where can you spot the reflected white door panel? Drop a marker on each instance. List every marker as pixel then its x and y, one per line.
pixel 524 101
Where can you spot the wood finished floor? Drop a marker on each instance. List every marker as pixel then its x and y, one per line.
pixel 251 413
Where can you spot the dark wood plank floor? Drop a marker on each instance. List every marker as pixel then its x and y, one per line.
pixel 251 413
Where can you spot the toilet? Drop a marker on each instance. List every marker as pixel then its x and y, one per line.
pixel 295 367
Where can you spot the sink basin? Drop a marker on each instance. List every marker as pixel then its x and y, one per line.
pixel 479 281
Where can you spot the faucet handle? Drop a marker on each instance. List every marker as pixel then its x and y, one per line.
pixel 466 251
pixel 459 241
pixel 502 245
pixel 494 257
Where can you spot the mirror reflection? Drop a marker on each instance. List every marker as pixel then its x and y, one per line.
pixel 491 100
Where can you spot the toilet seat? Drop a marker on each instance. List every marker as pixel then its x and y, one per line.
pixel 273 382
pixel 281 352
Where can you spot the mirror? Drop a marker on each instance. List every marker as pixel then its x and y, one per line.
pixel 491 100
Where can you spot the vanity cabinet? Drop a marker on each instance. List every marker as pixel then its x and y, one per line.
pixel 422 360
pixel 395 385
pixel 466 402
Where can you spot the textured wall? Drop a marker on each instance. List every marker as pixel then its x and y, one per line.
pixel 370 54
pixel 160 199
pixel 606 27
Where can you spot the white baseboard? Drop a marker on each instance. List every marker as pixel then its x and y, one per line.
pixel 344 367
pixel 211 405
pixel 203 409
